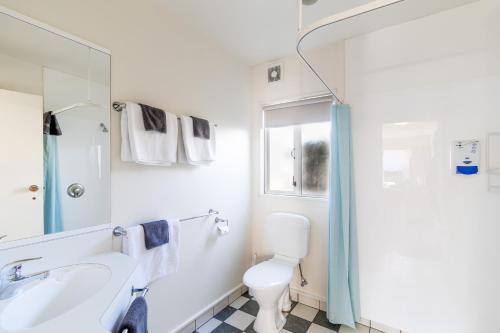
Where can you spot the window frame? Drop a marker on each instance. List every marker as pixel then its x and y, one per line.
pixel 297 169
pixel 294 102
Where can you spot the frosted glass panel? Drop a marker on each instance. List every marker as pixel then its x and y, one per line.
pixel 281 161
pixel 315 158
pixel 408 155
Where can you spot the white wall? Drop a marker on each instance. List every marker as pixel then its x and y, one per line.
pixel 298 82
pixel 157 60
pixel 429 248
pixel 21 76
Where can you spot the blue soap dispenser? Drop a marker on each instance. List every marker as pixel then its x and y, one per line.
pixel 466 157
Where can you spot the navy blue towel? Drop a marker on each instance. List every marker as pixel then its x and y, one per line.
pixel 154 119
pixel 136 318
pixel 155 234
pixel 50 124
pixel 201 128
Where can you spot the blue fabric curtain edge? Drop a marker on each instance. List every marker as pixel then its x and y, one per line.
pixel 52 211
pixel 343 305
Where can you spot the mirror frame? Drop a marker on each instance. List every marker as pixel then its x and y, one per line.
pixel 15 243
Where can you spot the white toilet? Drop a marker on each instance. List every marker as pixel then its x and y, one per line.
pixel 288 236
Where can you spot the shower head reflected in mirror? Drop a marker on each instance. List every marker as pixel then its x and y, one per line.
pixel 309 2
pixel 103 127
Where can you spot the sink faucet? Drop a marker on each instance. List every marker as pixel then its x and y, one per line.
pixel 11 278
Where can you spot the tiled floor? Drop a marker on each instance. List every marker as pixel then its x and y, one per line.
pixel 239 317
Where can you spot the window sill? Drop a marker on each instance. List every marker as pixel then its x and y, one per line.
pixel 292 196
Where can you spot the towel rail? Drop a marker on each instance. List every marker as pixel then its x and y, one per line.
pixel 137 292
pixel 120 231
pixel 140 292
pixel 119 106
pixel 210 212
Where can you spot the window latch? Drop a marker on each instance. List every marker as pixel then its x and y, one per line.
pixel 294 182
pixel 292 153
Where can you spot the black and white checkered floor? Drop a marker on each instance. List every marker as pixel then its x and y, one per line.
pixel 239 317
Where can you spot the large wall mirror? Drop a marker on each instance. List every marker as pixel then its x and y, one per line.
pixel 54 131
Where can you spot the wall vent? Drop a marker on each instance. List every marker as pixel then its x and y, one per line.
pixel 274 73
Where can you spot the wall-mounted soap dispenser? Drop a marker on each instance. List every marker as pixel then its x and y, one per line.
pixel 466 157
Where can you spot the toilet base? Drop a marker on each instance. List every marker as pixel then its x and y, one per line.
pixel 285 302
pixel 270 318
pixel 269 321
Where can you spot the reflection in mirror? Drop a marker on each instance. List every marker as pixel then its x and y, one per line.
pixel 54 100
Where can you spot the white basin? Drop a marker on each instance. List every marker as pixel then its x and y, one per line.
pixel 65 289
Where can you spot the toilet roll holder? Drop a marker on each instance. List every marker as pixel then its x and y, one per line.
pixel 223 229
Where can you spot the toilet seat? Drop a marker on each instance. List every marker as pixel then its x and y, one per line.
pixel 269 274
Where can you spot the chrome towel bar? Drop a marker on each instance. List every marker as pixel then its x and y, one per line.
pixel 120 231
pixel 140 292
pixel 119 106
pixel 137 292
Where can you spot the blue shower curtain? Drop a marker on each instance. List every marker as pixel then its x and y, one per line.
pixel 343 281
pixel 52 193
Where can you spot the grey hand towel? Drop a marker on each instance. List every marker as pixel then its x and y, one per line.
pixel 136 318
pixel 50 124
pixel 201 128
pixel 155 234
pixel 154 119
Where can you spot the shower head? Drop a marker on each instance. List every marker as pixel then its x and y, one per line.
pixel 309 2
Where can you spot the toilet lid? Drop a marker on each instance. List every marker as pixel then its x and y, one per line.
pixel 268 274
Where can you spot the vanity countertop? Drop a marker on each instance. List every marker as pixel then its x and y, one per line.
pixel 91 314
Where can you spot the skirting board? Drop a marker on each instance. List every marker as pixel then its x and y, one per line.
pixel 191 322
pixel 319 303
pixel 314 301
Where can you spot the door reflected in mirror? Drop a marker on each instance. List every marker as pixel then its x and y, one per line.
pixel 55 145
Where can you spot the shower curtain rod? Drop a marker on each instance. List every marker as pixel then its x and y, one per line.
pixel 348 14
pixel 75 106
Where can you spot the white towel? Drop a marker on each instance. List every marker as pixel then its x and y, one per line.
pixel 147 147
pixel 194 150
pixel 155 263
pixel 181 151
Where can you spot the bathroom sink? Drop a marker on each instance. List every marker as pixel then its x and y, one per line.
pixel 65 289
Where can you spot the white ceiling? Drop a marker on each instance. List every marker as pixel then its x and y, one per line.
pixel 257 31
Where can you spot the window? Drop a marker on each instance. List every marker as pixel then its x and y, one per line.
pixel 297 149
